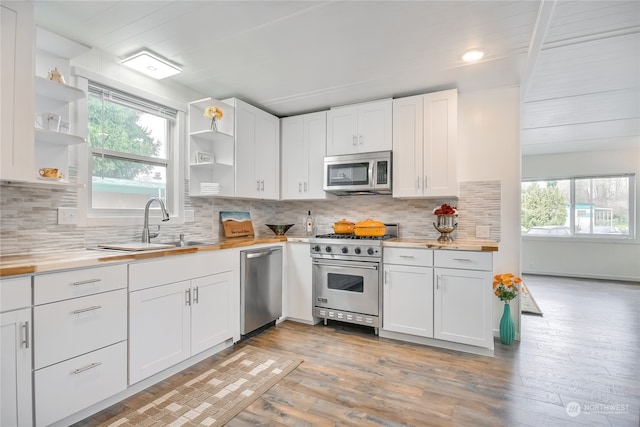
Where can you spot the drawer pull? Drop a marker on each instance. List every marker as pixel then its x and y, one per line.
pixel 187 297
pixel 407 256
pixel 86 282
pixel 462 259
pixel 86 368
pixel 84 310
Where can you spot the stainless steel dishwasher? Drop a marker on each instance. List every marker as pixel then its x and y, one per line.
pixel 260 288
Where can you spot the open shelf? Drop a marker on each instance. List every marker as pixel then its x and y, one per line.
pixel 59 138
pixel 57 91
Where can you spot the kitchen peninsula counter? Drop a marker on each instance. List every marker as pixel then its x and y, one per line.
pixel 40 262
pixel 458 245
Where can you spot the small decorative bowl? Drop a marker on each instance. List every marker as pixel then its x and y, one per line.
pixel 279 229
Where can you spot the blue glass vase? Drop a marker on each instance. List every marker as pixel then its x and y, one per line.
pixel 507 327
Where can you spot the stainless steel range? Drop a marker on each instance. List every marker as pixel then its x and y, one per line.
pixel 347 277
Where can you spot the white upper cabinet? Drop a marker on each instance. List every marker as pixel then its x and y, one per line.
pixel 360 128
pixel 303 141
pixel 425 139
pixel 257 171
pixel 17 40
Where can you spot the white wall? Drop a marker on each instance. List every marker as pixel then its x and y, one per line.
pixel 489 149
pixel 584 257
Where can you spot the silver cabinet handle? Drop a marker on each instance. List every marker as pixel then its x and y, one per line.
pixel 438 281
pixel 355 140
pixel 195 295
pixel 262 185
pixel 407 256
pixel 417 182
pixel 299 187
pixel 187 297
pixel 306 187
pixel 84 310
pixel 258 185
pixel 386 278
pixel 26 340
pixel 361 139
pixel 425 182
pixel 462 259
pixel 86 368
pixel 86 282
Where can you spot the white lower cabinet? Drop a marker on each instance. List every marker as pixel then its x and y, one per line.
pixel 80 336
pixel 298 286
pixel 437 296
pixel 15 352
pixel 170 322
pixel 408 291
pixel 463 297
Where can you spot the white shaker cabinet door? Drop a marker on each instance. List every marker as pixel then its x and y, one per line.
pixel 211 311
pixel 408 300
pixel 342 131
pixel 15 357
pixel 299 291
pixel 407 146
pixel 463 306
pixel 159 329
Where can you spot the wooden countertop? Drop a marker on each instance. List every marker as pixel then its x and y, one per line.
pixel 30 263
pixel 458 245
pixel 40 262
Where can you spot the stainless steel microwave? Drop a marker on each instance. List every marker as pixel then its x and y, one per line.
pixel 362 173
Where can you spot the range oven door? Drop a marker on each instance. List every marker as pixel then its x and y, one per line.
pixel 347 285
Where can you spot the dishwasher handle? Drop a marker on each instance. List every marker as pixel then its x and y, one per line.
pixel 262 253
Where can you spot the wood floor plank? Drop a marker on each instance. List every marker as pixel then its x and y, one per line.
pixel 584 349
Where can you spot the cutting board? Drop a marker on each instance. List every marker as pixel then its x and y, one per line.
pixel 236 224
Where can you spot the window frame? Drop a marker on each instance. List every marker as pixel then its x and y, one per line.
pixel 89 216
pixel 572 209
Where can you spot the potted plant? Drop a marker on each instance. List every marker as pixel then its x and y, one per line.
pixel 506 287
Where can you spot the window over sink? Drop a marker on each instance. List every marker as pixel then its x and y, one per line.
pixel 133 153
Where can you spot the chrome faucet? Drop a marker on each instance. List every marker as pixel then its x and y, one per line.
pixel 146 236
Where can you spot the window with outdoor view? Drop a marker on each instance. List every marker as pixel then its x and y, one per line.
pixel 130 140
pixel 598 206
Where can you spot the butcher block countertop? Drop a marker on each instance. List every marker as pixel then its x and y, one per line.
pixel 40 262
pixel 458 245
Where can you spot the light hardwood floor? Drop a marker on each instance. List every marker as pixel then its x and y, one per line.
pixel 584 352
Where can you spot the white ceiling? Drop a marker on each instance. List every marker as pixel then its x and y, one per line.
pixel 578 62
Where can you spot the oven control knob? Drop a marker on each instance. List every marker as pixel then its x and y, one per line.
pixel 316 248
pixel 357 251
pixel 345 250
pixel 370 251
pixel 328 249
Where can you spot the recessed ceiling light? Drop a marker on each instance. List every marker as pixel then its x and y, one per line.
pixel 151 64
pixel 473 56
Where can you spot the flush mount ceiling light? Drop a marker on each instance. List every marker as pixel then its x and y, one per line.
pixel 151 64
pixel 473 56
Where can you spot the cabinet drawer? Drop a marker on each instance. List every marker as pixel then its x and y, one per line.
pixel 147 274
pixel 407 256
pixel 68 387
pixel 69 328
pixel 467 260
pixel 78 283
pixel 16 293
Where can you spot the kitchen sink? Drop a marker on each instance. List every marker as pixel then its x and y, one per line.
pixel 186 243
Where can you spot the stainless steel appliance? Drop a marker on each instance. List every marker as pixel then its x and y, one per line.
pixel 347 277
pixel 260 288
pixel 363 173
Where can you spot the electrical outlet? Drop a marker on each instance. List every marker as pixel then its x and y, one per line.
pixel 482 231
pixel 189 216
pixel 67 216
